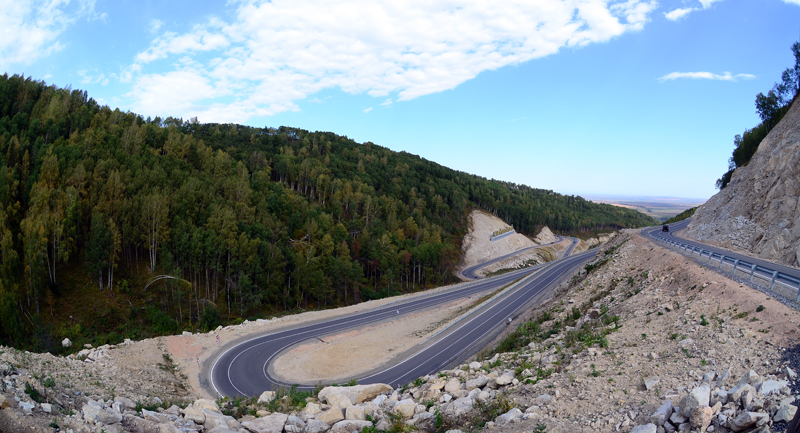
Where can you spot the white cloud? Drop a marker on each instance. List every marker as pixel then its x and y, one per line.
pixel 263 64
pixel 707 3
pixel 368 110
pixel 727 76
pixel 29 29
pixel 86 78
pixel 386 102
pixel 796 2
pixel 155 26
pixel 171 43
pixel 174 92
pixel 679 13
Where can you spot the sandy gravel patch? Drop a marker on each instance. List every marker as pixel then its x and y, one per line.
pixel 344 356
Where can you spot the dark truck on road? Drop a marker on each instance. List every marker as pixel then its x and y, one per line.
pixel 665 228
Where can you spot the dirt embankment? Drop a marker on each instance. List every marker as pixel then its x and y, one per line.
pixel 678 321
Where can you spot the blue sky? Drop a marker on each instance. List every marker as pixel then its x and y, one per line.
pixel 623 97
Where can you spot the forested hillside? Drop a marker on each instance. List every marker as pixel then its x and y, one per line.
pixel 96 203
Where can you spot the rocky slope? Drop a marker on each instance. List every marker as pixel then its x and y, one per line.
pixel 478 247
pixel 757 213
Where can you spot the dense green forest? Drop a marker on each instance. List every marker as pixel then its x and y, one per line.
pixel 770 108
pixel 114 226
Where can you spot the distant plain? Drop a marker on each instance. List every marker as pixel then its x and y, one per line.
pixel 660 208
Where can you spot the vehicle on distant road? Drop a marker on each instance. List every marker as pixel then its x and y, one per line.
pixel 665 228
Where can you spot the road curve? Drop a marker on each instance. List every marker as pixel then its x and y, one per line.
pixel 764 268
pixel 469 273
pixel 243 369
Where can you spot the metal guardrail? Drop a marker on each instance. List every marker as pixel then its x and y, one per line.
pixel 501 235
pixel 753 269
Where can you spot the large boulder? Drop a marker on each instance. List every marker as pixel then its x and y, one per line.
pixel 331 416
pixel 662 414
pixel 508 417
pixel 478 382
pixel 785 413
pixel 355 413
pixel 154 416
pixel 126 402
pixel 452 385
pixel 459 407
pixel 316 426
pixel 99 415
pixel 266 397
pixel 268 424
pixel 406 408
pixel 170 428
pixel 772 386
pixel 206 404
pixel 217 419
pixel 350 426
pixel 748 419
pixel 194 414
pixel 356 394
pixel 505 379
pixel 311 410
pixel 701 417
pixel 294 424
pixel 698 397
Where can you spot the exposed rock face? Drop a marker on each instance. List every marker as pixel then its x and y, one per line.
pixel 758 211
pixel 545 236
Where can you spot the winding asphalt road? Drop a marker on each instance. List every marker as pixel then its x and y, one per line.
pixel 764 269
pixel 243 368
pixel 470 274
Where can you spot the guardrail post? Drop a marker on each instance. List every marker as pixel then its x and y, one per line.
pixel 774 275
pixel 710 253
pixel 752 270
pixel 721 259
pixel 735 264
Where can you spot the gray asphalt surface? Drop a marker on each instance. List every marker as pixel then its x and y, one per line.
pixel 764 268
pixel 243 368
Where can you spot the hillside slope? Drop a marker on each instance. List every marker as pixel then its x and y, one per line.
pixel 757 213
pixel 95 203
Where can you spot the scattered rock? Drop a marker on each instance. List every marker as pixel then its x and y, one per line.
pixel 269 424
pixel 508 417
pixel 98 415
pixel 350 426
pixel 699 397
pixel 748 419
pixel 701 417
pixel 647 428
pixel 266 397
pixel 662 414
pixel 651 383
